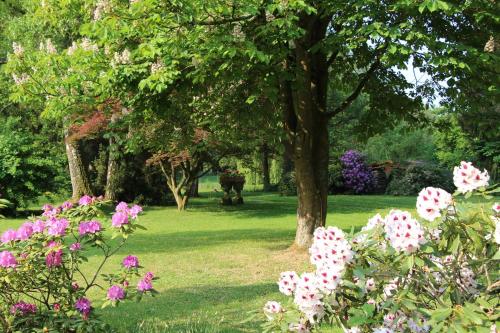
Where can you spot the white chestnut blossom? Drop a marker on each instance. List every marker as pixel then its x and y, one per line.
pixel 122 58
pixel 431 201
pixel 48 47
pixel 19 80
pixel 467 178
pixel 157 66
pixel 102 7
pixel 18 49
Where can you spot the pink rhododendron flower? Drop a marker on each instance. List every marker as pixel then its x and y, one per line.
pixel 57 227
pixel 468 178
pixel 25 231
pixel 122 207
pixel 130 262
pixel 23 308
pixel 85 200
pixel 144 285
pixel 89 227
pixel 66 205
pixel 56 307
pixel 271 309
pixel 75 247
pixel 149 276
pixel 403 232
pixel 119 219
pixel 47 207
pixel 134 211
pixel 54 258
pixel 75 286
pixel 9 236
pixel 116 293
pixel 288 282
pixel 38 226
pixel 83 305
pixel 431 201
pixel 7 259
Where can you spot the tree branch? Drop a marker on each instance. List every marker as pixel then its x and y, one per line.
pixel 361 84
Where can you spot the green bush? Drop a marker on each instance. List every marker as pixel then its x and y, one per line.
pixel 335 179
pixel 287 185
pixel 417 175
pixel 29 164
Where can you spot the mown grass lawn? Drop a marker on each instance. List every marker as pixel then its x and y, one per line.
pixel 217 263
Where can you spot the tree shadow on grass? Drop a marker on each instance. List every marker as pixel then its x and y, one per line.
pixel 192 240
pixel 258 205
pixel 179 304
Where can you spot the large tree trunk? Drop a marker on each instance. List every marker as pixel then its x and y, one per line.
pixel 194 191
pixel 79 178
pixel 307 124
pixel 266 178
pixel 112 176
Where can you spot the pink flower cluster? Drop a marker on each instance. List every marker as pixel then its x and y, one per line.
pixel 130 262
pixel 431 201
pixel 116 293
pixel 7 260
pixel 146 283
pixel 89 227
pixel 23 308
pixel 54 257
pixel 56 227
pixel 84 306
pixel 468 178
pixel 123 213
pixel 403 232
pixel 24 232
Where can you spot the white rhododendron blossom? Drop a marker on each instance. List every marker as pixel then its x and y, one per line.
pixel 468 178
pixel 496 207
pixel 288 282
pixel 272 308
pixel 382 330
pixel 431 201
pixel 398 272
pixel 403 232
pixel 373 222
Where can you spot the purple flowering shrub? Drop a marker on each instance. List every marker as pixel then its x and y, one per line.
pixel 42 284
pixel 356 173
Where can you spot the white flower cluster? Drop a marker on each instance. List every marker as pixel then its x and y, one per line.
pixel 272 308
pixel 431 201
pixel 19 80
pixel 157 66
pixel 102 7
pixel 373 222
pixel 18 49
pixel 122 58
pixel 86 44
pixel 403 232
pixel 48 47
pixel 468 178
pixel 496 220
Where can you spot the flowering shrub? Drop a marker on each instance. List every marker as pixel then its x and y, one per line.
pixel 402 274
pixel 356 173
pixel 42 281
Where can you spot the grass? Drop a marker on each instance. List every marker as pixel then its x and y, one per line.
pixel 217 263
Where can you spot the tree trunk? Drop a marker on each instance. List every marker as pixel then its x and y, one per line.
pixel 266 178
pixel 307 124
pixel 194 189
pixel 112 177
pixel 79 178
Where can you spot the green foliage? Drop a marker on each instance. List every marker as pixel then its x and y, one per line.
pixel 29 166
pixel 287 185
pixel 401 144
pixel 417 175
pixel 452 143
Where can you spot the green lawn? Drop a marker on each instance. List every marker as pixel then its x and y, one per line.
pixel 217 263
